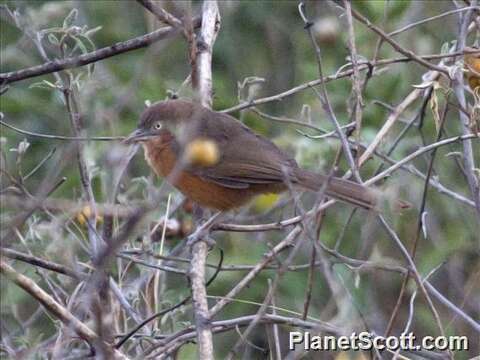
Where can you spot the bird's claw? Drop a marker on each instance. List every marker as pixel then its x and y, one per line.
pixel 201 236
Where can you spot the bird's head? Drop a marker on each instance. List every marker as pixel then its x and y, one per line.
pixel 163 118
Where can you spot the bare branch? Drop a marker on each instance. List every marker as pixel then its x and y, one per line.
pixel 436 17
pixel 468 157
pixel 208 34
pixel 255 271
pixel 54 307
pixel 392 119
pixel 362 66
pixel 91 57
pixel 356 87
pixel 199 249
pixel 36 261
pixel 418 279
pixel 323 96
pixel 161 14
pixel 61 137
pixel 395 44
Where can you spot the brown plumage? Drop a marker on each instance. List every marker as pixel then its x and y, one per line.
pixel 247 164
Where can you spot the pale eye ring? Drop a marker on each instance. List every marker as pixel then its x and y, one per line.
pixel 157 125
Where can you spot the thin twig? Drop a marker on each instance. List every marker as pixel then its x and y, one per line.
pixel 36 261
pixel 174 341
pixel 432 18
pixel 54 307
pixel 395 44
pixel 309 289
pixel 418 279
pixel 420 222
pixel 255 271
pixel 419 152
pixel 455 309
pixel 323 96
pixel 170 309
pixel 61 137
pixel 356 87
pixel 161 14
pixel 276 337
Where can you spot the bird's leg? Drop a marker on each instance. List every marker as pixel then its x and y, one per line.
pixel 199 214
pixel 202 231
pixel 200 219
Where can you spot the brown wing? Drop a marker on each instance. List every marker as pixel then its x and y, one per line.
pixel 246 158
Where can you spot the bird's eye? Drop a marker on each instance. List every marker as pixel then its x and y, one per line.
pixel 157 125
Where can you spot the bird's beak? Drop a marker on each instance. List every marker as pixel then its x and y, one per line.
pixel 136 136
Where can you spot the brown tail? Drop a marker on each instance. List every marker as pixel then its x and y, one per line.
pixel 340 189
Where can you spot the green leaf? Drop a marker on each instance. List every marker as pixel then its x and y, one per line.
pixel 79 43
pixel 90 32
pixel 53 30
pixel 445 48
pixel 70 19
pixel 53 39
pixel 44 84
pixel 90 42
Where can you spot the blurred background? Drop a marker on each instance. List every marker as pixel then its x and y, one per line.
pixel 262 50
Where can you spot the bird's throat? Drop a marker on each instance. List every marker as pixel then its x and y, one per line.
pixel 161 154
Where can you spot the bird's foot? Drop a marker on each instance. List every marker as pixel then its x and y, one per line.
pixel 202 232
pixel 200 236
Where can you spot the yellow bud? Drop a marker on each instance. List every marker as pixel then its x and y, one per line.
pixel 265 202
pixel 202 152
pixel 85 214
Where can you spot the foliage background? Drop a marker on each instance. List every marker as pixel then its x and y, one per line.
pixel 266 40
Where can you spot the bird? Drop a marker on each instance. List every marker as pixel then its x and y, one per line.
pixel 221 164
